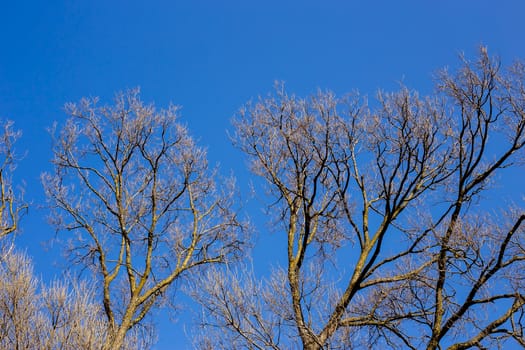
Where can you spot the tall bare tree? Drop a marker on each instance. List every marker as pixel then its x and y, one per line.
pixel 139 196
pixel 394 234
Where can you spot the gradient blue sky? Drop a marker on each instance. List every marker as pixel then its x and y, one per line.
pixel 213 56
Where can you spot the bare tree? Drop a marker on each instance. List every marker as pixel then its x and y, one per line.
pixel 11 205
pixel 142 201
pixel 394 235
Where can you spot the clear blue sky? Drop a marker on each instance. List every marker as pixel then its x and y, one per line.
pixel 213 56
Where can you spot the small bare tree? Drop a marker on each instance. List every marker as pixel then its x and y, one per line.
pixel 139 195
pixel 393 234
pixel 11 205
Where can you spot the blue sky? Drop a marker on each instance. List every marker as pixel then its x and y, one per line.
pixel 211 57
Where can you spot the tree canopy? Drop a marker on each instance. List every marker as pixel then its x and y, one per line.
pixel 389 213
